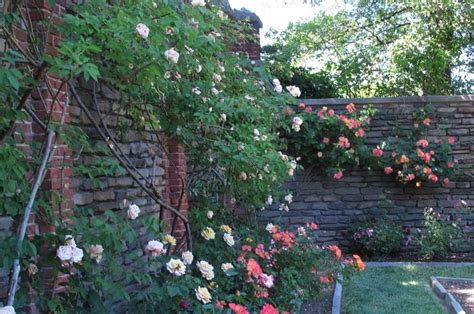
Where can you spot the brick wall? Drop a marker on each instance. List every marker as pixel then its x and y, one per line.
pixel 336 204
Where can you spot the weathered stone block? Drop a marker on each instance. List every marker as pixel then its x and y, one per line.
pixel 83 198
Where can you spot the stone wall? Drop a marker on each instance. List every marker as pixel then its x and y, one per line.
pixel 336 204
pixel 160 160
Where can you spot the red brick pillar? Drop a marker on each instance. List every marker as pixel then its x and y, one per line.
pixel 175 171
pixel 50 102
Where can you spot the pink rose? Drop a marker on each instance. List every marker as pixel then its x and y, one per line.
pixel 360 133
pixel 326 140
pixel 338 175
pixel 388 170
pixel 377 152
pixel 433 178
pixel 422 143
pixel 344 142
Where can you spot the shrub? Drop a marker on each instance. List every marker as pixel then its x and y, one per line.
pixel 330 141
pixel 441 235
pixel 379 237
pixel 416 157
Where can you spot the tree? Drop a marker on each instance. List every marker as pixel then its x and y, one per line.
pixel 388 48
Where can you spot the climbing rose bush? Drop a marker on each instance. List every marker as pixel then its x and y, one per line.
pixel 417 157
pixel 174 73
pixel 329 140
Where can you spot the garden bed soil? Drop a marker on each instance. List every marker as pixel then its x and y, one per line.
pixel 323 305
pixel 462 290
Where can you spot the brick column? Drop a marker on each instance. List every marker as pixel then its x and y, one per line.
pixel 175 167
pixel 50 102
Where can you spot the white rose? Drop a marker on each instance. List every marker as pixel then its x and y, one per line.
pixel 294 91
pixel 266 280
pixel 229 239
pixel 297 121
pixel 289 198
pixel 196 90
pixel 214 91
pixel 223 118
pixel 226 266
pixel 203 295
pixel 217 78
pixel 276 82
pixel 176 267
pixel 172 55
pixel 291 172
pixel 133 211
pixel 269 227
pixel 210 214
pixel 256 132
pixel 64 253
pixel 156 248
pixel 278 89
pixel 77 255
pixel 206 269
pixel 196 3
pixel 70 240
pixel 187 257
pixel 142 30
pixel 269 200
pixel 283 156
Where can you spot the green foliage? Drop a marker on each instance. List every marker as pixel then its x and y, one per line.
pixel 388 48
pixel 441 235
pixel 378 237
pixel 313 84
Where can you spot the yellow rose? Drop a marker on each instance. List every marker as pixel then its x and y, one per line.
pixel 226 229
pixel 208 233
pixel 170 239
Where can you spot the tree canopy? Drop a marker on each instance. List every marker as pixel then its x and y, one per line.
pixel 389 48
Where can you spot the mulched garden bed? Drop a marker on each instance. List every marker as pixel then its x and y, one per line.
pixel 462 291
pixel 323 305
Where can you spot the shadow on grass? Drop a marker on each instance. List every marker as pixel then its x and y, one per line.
pixel 397 289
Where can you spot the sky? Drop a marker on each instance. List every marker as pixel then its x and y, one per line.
pixel 276 14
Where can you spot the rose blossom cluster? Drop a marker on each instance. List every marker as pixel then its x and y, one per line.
pixel 69 254
pixel 424 164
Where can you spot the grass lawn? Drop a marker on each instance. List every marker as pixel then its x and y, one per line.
pixel 404 289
